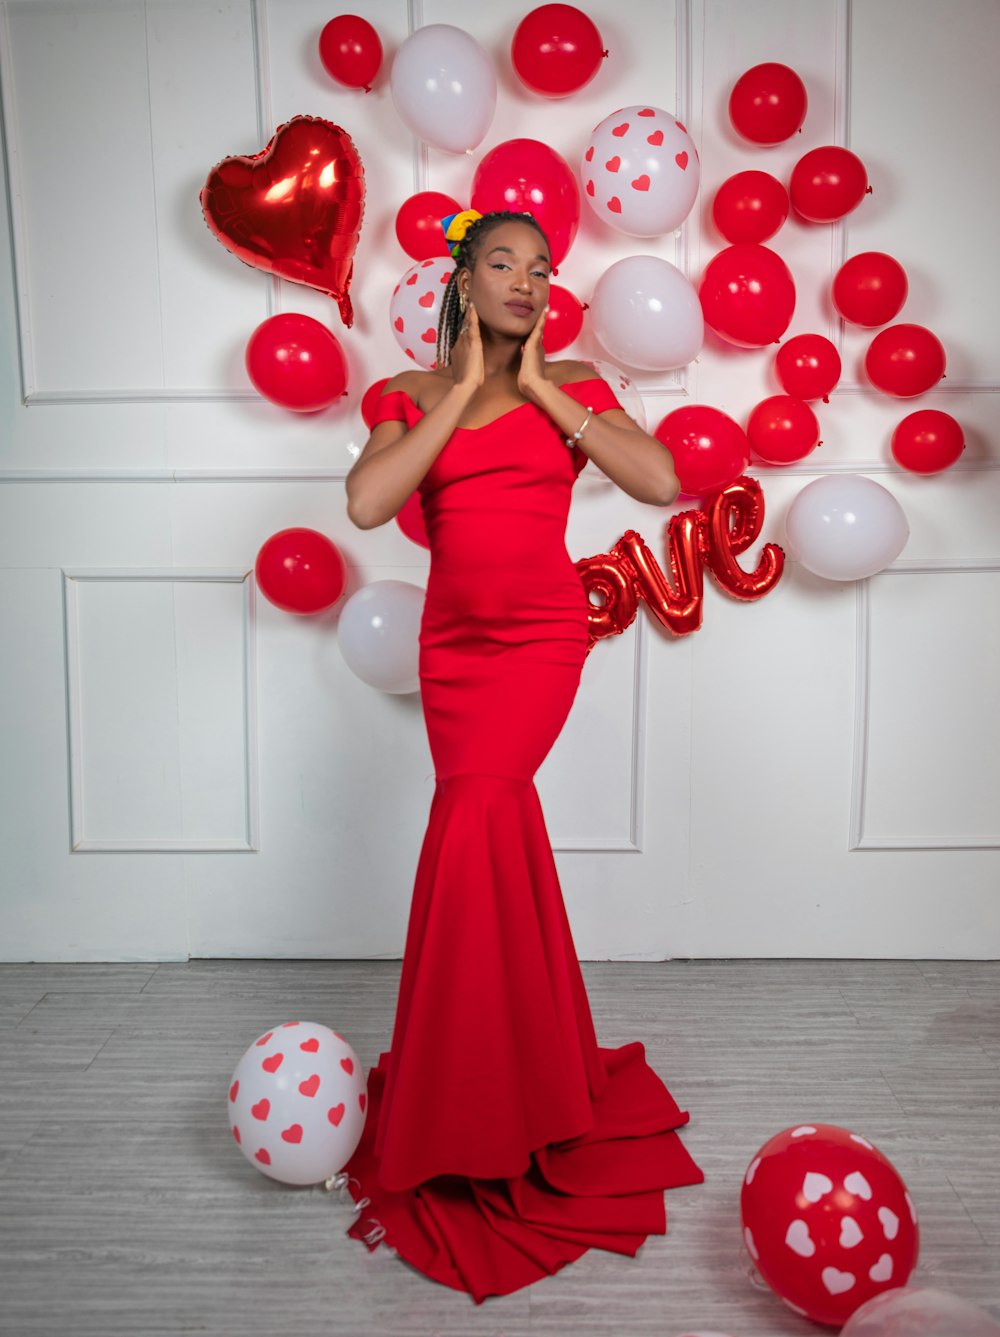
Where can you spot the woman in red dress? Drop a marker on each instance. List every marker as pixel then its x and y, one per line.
pixel 502 1142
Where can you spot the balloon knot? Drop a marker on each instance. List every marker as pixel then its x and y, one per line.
pixel 870 190
pixel 826 400
pixel 368 88
pixel 604 55
pixel 586 306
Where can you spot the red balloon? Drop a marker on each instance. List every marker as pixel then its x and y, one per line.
pixel 870 288
pixel 747 295
pixel 768 103
pixel 526 176
pixel 827 183
pixel 351 51
pixel 295 208
pixel 410 519
pixel 828 1221
pixel 709 449
pixel 808 366
pixel 370 398
pixel 296 362
pixel 927 441
pixel 418 224
pixel 556 50
pixel 750 206
pixel 782 429
pixel 564 321
pixel 905 360
pixel 300 570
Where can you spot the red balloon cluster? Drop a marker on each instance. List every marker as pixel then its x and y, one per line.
pixel 556 50
pixel 300 571
pixel 747 295
pixel 351 51
pixel 768 103
pixel 782 429
pixel 927 441
pixel 418 224
pixel 296 362
pixel 564 321
pixel 526 176
pixel 750 206
pixel 905 360
pixel 709 449
pixel 827 183
pixel 808 367
pixel 870 288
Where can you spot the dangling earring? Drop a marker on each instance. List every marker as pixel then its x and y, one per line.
pixel 461 303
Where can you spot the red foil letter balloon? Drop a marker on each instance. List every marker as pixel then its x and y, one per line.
pixel 695 539
pixel 295 208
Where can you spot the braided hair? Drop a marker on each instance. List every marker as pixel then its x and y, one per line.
pixel 451 318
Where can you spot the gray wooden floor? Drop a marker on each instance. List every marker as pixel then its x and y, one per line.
pixel 126 1208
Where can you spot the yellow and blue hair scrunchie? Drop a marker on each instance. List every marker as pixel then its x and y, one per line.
pixel 455 227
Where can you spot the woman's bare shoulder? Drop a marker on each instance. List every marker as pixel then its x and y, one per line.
pixel 421 386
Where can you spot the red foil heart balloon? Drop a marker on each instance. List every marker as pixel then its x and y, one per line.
pixel 295 208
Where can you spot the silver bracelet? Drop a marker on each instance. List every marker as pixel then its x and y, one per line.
pixel 572 441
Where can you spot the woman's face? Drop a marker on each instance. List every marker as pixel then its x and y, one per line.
pixel 509 285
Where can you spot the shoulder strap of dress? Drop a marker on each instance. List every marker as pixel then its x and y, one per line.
pixel 396 406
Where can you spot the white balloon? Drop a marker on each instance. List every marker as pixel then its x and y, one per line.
pixel 913 1311
pixel 645 313
pixel 416 306
pixel 444 87
pixel 845 527
pixel 640 171
pixel 298 1102
pixel 378 633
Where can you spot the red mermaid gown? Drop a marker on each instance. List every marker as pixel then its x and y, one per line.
pixel 501 1141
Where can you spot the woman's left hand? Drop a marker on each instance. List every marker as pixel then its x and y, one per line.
pixel 532 370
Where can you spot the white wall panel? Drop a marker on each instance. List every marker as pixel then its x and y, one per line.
pixel 924 108
pixel 160 674
pixel 115 263
pixel 932 763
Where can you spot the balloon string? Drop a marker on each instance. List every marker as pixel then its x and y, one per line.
pixel 340 1183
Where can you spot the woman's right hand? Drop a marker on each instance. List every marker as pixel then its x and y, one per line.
pixel 467 352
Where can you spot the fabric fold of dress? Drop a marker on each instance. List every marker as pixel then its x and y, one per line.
pixel 501 1140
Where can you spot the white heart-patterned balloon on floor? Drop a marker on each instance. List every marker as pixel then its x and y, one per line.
pixel 640 171
pixel 297 1102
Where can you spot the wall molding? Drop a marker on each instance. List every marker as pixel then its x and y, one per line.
pixel 858 840
pixel 72 578
pixel 31 395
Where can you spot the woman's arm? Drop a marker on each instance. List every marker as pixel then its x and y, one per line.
pixel 629 456
pixel 394 461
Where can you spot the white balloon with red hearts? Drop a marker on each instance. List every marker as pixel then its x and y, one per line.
pixel 416 306
pixel 297 1102
pixel 641 171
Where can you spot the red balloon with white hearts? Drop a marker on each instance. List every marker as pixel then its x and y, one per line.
pixel 640 171
pixel 416 306
pixel 828 1221
pixel 297 1102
